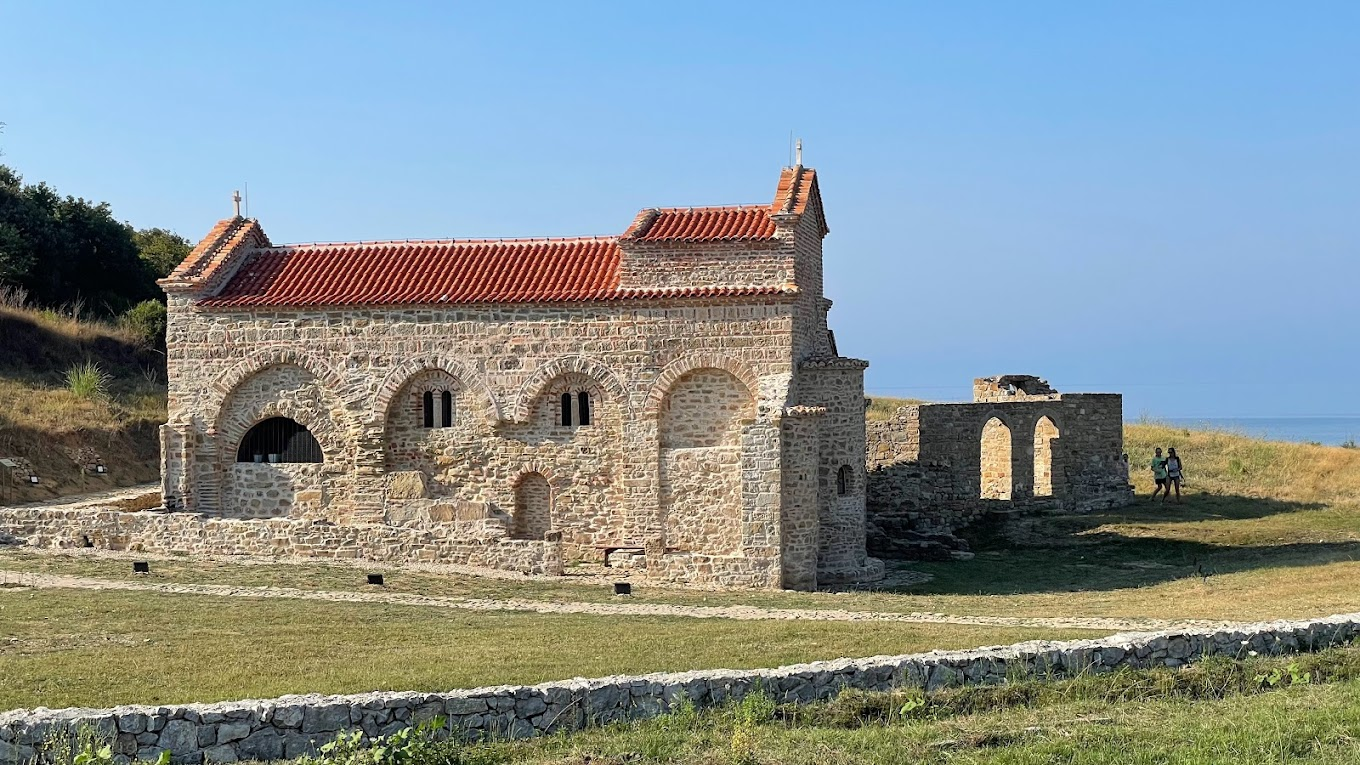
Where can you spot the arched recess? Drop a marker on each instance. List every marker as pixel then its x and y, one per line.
pixel 259 361
pixel 292 403
pixel 532 517
pixel 701 426
pixel 995 460
pixel 426 416
pixel 402 375
pixel 686 364
pixel 1045 433
pixel 552 371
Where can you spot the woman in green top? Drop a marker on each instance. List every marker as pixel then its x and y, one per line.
pixel 1159 474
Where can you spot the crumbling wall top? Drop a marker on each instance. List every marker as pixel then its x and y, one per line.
pixel 1011 388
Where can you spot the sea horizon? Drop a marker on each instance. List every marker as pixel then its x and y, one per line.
pixel 1329 430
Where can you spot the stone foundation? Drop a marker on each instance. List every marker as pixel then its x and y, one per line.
pixel 291 726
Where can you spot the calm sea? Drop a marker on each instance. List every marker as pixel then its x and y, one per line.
pixel 1332 431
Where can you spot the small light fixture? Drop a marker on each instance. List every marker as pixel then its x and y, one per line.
pixel 99 467
pixel 32 478
pixel 375 579
pixel 141 567
pixel 623 588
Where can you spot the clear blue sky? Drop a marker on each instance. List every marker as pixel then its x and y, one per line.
pixel 1154 198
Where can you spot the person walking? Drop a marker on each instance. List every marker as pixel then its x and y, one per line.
pixel 1173 474
pixel 1159 475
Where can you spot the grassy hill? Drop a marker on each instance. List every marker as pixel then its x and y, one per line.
pixel 114 413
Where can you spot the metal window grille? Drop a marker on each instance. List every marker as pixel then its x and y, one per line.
pixel 279 439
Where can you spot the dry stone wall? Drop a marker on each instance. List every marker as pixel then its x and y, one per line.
pixel 291 726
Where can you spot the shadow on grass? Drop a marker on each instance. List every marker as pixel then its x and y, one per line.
pixel 1122 548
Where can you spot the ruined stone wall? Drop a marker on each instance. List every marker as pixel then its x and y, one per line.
pixel 937 467
pixel 480 542
pixel 292 726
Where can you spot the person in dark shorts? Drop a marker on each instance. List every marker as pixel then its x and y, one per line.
pixel 1173 474
pixel 1160 476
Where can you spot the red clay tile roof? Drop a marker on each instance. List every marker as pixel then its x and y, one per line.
pixel 224 239
pixel 473 271
pixel 702 224
pixel 441 273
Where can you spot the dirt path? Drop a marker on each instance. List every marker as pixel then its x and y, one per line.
pixel 741 613
pixel 112 496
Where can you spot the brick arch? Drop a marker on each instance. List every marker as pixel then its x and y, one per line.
pixel 325 432
pixel 581 365
pixel 397 378
pixel 684 365
pixel 222 388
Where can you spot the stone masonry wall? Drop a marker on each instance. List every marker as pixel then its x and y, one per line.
pixel 936 467
pixel 474 543
pixel 291 726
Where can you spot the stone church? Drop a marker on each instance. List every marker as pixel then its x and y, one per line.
pixel 669 398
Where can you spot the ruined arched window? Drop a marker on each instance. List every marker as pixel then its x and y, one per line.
pixel 533 507
pixel 278 439
pixel 845 478
pixel 1045 433
pixel 995 460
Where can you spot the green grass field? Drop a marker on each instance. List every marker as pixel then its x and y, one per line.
pixel 82 648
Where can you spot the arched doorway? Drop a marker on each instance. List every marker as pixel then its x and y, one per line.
pixel 1045 431
pixel 995 461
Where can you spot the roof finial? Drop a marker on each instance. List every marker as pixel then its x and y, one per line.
pixel 236 203
pixel 798 154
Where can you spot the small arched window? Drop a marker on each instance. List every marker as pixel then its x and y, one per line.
pixel 576 409
pixel 437 409
pixel 278 439
pixel 845 478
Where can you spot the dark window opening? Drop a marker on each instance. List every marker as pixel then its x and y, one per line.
pixel 584 399
pixel 566 410
pixel 278 439
pixel 429 409
pixel 446 416
pixel 844 477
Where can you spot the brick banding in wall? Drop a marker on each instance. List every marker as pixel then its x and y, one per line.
pixel 402 373
pixel 291 726
pixel 594 369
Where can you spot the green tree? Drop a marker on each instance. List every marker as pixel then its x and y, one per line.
pixel 161 250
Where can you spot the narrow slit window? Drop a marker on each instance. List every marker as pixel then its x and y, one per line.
pixel 429 409
pixel 446 414
pixel 566 410
pixel 584 400
pixel 844 476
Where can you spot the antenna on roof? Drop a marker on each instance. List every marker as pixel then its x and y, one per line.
pixel 236 204
pixel 247 199
pixel 790 148
pixel 798 158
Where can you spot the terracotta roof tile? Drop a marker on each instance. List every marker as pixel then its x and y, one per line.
pixel 702 224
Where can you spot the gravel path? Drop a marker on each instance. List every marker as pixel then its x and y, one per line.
pixel 621 608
